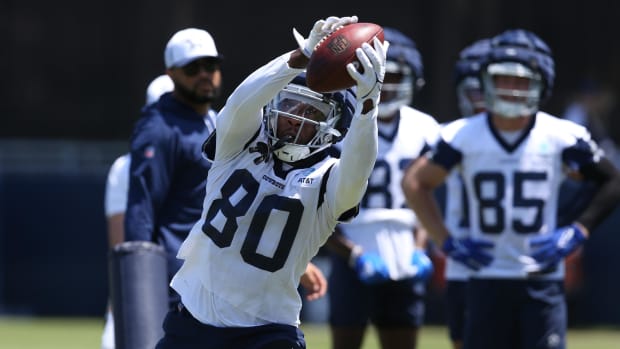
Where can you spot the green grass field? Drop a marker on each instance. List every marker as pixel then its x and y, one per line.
pixel 85 333
pixel 435 337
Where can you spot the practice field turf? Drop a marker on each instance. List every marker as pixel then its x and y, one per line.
pixel 85 333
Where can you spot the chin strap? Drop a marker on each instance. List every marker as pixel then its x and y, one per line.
pixel 265 151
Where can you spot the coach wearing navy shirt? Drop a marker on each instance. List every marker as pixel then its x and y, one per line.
pixel 168 173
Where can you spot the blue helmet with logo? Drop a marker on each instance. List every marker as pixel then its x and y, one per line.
pixel 330 115
pixel 520 53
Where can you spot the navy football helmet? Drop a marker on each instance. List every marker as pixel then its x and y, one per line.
pixel 519 53
pixel 404 72
pixel 467 77
pixel 329 114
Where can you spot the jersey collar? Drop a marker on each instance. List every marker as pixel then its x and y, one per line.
pixel 510 147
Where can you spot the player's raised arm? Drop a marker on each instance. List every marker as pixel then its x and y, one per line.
pixel 359 149
pixel 241 116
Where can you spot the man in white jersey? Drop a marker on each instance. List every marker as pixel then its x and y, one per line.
pixel 470 102
pixel 273 197
pixel 313 280
pixel 512 160
pixel 379 267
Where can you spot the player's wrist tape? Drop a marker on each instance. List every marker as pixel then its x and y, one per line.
pixel 356 251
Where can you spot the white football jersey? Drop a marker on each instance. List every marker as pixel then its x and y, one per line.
pixel 117 185
pixel 261 223
pixel 385 223
pixel 512 189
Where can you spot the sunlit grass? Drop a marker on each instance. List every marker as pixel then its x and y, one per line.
pixel 436 337
pixel 85 333
pixel 430 337
pixel 50 333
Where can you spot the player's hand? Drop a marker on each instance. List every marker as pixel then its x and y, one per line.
pixel 468 251
pixel 321 29
pixel 371 269
pixel 550 249
pixel 423 264
pixel 369 82
pixel 314 282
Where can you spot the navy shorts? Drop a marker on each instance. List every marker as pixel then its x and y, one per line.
pixel 515 314
pixel 390 304
pixel 182 330
pixel 455 308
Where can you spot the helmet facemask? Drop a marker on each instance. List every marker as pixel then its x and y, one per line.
pixel 397 89
pixel 512 103
pixel 310 120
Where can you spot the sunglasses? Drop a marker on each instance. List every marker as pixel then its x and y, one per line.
pixel 193 68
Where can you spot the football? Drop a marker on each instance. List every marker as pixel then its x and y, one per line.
pixel 326 71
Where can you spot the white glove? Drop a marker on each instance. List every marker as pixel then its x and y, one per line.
pixel 369 82
pixel 321 29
